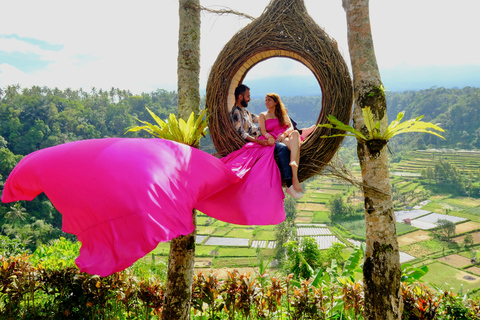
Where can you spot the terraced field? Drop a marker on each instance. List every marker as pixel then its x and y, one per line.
pixel 220 245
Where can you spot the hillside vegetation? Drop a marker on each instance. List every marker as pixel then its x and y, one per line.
pixel 40 117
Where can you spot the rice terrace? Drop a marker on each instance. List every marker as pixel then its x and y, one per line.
pixel 224 246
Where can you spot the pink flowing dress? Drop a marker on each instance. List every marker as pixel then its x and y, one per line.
pixel 121 197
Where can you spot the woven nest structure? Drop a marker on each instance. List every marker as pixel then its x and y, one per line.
pixel 283 30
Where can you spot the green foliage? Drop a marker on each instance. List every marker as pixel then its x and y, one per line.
pixel 188 132
pixel 303 257
pixel 373 127
pixel 340 210
pixel 58 254
pixel 11 247
pixel 28 292
pixel 446 228
pixel 40 117
pixel 468 240
pixel 284 230
pixel 411 274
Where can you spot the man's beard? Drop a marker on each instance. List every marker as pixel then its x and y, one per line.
pixel 244 103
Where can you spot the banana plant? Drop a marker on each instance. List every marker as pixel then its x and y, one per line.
pixel 187 132
pixel 373 127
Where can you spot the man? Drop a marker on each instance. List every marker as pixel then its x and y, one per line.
pixel 244 122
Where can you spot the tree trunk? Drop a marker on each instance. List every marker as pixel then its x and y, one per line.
pixel 381 269
pixel 182 249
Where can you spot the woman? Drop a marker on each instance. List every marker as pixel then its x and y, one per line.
pixel 275 124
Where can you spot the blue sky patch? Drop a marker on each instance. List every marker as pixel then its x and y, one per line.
pixel 26 62
pixel 39 43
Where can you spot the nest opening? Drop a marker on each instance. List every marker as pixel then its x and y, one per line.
pixel 283 30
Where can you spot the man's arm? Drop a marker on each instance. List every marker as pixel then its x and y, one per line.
pixel 238 125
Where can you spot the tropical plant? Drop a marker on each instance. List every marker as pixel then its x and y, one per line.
pixel 411 274
pixel 11 247
pixel 57 254
pixel 189 132
pixel 373 127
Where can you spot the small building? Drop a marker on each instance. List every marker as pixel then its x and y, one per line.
pixel 407 221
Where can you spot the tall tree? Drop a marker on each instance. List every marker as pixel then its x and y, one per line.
pixel 381 270
pixel 182 249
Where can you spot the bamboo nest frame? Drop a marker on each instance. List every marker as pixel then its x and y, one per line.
pixel 284 29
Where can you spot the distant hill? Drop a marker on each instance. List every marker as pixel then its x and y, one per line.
pixel 400 78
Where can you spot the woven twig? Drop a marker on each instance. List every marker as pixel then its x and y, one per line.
pixel 283 30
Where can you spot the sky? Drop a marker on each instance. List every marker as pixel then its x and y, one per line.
pixel 132 45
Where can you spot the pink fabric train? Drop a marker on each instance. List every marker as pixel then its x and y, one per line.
pixel 121 197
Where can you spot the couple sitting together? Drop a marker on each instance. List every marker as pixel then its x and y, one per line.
pixel 275 128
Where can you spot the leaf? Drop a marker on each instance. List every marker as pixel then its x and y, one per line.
pixel 353 262
pixel 317 278
pixel 336 124
pixel 368 119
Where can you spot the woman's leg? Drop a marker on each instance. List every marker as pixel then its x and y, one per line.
pixel 293 143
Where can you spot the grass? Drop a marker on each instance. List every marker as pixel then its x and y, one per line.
pixel 474 211
pixel 321 217
pixel 357 227
pixel 237 232
pixel 162 248
pixel 205 230
pixel 222 231
pixel 204 250
pixel 235 262
pixel 237 252
pixel 404 228
pixel 264 235
pixel 448 277
pixel 203 220
pixel 427 247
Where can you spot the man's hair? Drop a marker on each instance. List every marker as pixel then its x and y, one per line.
pixel 240 90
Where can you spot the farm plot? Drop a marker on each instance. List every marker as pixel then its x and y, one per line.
pixel 356 243
pixel 455 260
pixel 467 226
pixel 404 257
pixel 434 217
pixel 217 241
pixel 405 174
pixel 303 219
pixel 199 239
pixel 271 244
pixel 475 236
pixel 423 225
pixel 259 244
pixel 311 206
pixel 410 214
pixel 413 237
pixel 312 231
pixel 475 270
pixel 206 230
pixel 439 274
pixel 325 242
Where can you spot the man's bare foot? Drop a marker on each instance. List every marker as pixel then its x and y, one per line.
pixel 297 186
pixel 294 164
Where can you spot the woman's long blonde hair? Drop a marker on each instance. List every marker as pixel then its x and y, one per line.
pixel 280 110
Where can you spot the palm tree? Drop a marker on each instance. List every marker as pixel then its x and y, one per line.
pixel 17 212
pixel 381 271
